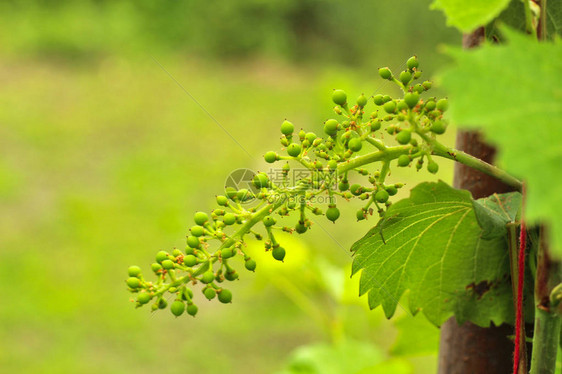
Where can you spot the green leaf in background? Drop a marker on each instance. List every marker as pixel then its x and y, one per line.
pixel 468 15
pixel 495 211
pixel 391 366
pixel 433 247
pixel 345 357
pixel 416 337
pixel 513 93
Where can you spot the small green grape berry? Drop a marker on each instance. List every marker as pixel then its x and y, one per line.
pixel 208 277
pixel 343 186
pixel 287 128
pixel 339 97
pixel 231 192
pixel 292 204
pixel 332 164
pixel 161 256
pixel 300 227
pixel 360 215
pixel 190 260
pixel 381 196
pixel 362 101
pixel 392 190
pixel 294 150
pixel 378 99
pixel 356 189
pixel 438 127
pixel 333 213
pixel 386 98
pixel 227 253
pixel 404 137
pixel 401 106
pixel 225 296
pixel 168 264
pixel 278 253
pixel 417 74
pixel 222 200
pixel 261 180
pixel 270 157
pixel 269 221
pixel 389 107
pixel 412 63
pixel 193 241
pixel 250 264
pixel 229 219
pixel 176 252
pixel 198 230
pixel 331 127
pixel 133 282
pixel 434 114
pixel 143 298
pixel 403 160
pixel 231 275
pixel 162 304
pixel 430 105
pixel 156 267
pixel 192 310
pixel 405 77
pixel 385 73
pixel 426 85
pixel 177 308
pixel 311 137
pixel 134 271
pixel 375 125
pixel 419 88
pixel 432 167
pixel 201 218
pixel 355 144
pixel 243 194
pixel 443 105
pixel 412 98
pixel 209 293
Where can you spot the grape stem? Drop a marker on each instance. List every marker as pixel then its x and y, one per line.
pixel 476 163
pixel 440 150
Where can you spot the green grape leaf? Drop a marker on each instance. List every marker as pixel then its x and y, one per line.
pixel 345 357
pixel 433 248
pixel 495 212
pixel 468 15
pixel 513 93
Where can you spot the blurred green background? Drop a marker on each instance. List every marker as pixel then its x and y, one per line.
pixel 104 159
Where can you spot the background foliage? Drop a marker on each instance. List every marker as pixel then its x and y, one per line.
pixel 103 160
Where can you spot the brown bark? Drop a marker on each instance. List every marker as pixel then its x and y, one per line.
pixel 469 349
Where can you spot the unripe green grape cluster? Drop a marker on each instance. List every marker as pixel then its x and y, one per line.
pixel 351 147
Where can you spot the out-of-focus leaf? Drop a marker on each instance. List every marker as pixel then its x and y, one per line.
pixel 392 366
pixel 345 357
pixel 416 337
pixel 513 93
pixel 468 15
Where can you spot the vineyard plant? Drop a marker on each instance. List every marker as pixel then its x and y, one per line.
pixel 488 261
